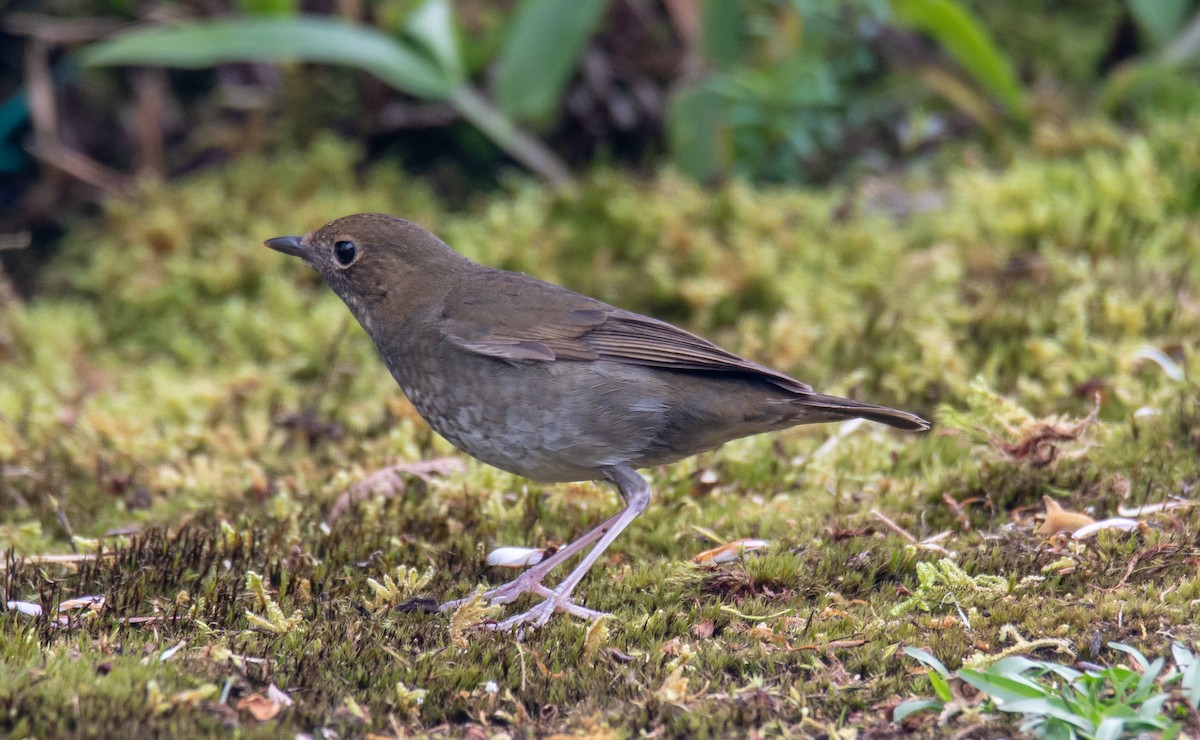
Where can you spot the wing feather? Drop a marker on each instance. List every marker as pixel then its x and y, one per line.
pixel 525 320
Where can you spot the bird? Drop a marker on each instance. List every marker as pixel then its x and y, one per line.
pixel 550 384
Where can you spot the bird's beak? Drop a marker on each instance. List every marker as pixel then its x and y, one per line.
pixel 292 245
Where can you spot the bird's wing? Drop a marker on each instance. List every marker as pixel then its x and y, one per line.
pixel 519 319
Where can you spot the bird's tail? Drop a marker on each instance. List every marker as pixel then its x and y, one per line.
pixel 843 407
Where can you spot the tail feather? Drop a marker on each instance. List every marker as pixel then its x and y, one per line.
pixel 852 409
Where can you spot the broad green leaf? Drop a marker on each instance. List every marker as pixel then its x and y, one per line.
pixel 1189 682
pixel 432 26
pixel 541 50
pixel 1159 20
pixel 269 7
pixel 904 709
pixel 1151 709
pixel 1110 728
pixel 927 658
pixel 953 26
pixel 1151 675
pixel 302 39
pixel 722 23
pixel 1182 656
pixel 1004 688
pixel 696 132
pixel 1048 707
pixel 1131 652
pixel 1018 665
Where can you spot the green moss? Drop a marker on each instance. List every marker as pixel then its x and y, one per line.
pixel 175 378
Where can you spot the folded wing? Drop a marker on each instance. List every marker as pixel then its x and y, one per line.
pixel 519 319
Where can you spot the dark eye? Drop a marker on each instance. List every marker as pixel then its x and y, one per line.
pixel 344 252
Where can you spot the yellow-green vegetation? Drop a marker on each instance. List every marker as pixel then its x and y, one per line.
pixel 183 407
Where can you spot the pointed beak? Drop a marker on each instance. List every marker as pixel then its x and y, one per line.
pixel 288 245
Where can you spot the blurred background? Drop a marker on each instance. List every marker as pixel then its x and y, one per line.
pixel 97 96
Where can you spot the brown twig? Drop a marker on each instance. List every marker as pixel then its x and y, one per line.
pixel 80 166
pixel 926 544
pixel 57 559
pixel 885 521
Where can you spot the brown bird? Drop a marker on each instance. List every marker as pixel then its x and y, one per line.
pixel 549 384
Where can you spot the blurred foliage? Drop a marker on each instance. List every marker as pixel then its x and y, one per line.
pixel 423 60
pixel 774 90
pixel 780 100
pixel 541 51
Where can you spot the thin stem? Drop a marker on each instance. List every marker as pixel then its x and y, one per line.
pixel 524 148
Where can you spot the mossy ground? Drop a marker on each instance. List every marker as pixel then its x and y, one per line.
pixel 191 404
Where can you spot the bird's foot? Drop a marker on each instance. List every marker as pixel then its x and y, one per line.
pixel 506 594
pixel 509 593
pixel 541 613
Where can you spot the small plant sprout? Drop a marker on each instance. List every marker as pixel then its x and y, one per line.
pixel 1058 701
pixel 396 587
pixel 274 621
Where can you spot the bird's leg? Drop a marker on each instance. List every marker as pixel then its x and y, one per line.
pixel 531 580
pixel 636 492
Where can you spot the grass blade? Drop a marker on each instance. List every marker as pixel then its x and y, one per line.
pixel 964 38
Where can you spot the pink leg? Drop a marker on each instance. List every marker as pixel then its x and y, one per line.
pixel 531 580
pixel 636 492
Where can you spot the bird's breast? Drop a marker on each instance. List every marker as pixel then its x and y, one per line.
pixel 548 421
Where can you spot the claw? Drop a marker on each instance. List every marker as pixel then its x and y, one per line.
pixel 541 613
pixel 636 493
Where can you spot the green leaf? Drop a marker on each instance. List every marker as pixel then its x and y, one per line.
pixel 269 7
pixel 1131 652
pixel 953 26
pixel 1048 707
pixel 1110 728
pixel 1182 656
pixel 303 39
pixel 904 709
pixel 721 25
pixel 1004 688
pixel 1159 20
pixel 927 658
pixel 696 132
pixel 540 51
pixel 432 26
pixel 1189 682
pixel 1151 709
pixel 1146 683
pixel 941 686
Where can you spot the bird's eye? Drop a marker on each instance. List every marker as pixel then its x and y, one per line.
pixel 345 252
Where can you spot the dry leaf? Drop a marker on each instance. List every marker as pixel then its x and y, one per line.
pixel 28 608
pixel 1121 523
pixel 1132 511
pixel 703 630
pixel 95 603
pixel 259 706
pixel 170 652
pixel 1059 519
pixel 730 552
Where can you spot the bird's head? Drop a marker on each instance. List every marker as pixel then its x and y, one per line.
pixel 376 261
